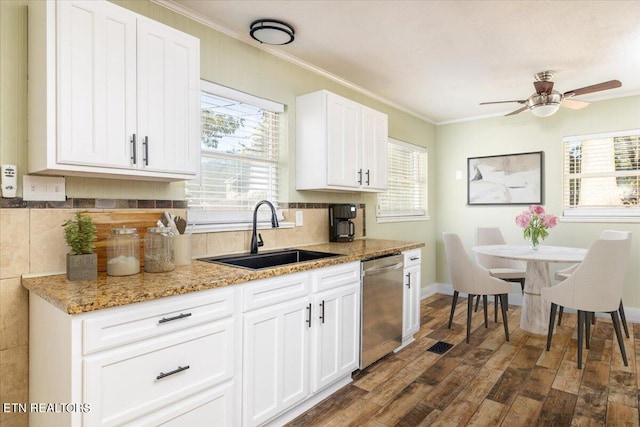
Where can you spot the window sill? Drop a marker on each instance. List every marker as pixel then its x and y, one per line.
pixel 601 219
pixel 385 219
pixel 219 228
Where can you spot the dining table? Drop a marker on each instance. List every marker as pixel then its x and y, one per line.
pixel 535 310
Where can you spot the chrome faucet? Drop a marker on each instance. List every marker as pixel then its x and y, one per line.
pixel 256 239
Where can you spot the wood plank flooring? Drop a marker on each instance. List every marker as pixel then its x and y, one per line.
pixel 491 382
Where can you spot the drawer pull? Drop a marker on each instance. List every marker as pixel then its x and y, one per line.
pixel 414 258
pixel 175 371
pixel 169 319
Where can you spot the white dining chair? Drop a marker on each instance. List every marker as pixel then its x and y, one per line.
pixel 502 268
pixel 594 286
pixel 473 280
pixel 566 272
pixel 510 270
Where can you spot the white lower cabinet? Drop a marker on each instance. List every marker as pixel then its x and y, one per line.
pixel 411 301
pixel 336 326
pixel 251 354
pixel 151 363
pixel 135 380
pixel 310 330
pixel 276 360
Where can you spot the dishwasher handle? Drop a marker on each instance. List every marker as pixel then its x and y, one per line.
pixel 379 270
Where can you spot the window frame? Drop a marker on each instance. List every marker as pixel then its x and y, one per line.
pixel 212 220
pixel 613 214
pixel 399 216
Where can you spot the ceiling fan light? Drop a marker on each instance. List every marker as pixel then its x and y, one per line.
pixel 544 110
pixel 271 31
pixel 544 105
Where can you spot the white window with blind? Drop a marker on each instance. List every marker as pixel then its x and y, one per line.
pixel 239 159
pixel 602 177
pixel 406 195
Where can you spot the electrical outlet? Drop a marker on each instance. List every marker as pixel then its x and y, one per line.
pixel 43 188
pixel 299 219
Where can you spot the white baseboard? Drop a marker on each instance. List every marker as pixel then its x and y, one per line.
pixel 515 298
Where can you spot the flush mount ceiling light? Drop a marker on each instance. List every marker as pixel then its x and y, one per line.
pixel 271 31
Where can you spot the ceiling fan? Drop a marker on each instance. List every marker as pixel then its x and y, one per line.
pixel 546 101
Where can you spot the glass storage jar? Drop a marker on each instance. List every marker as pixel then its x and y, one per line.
pixel 123 252
pixel 158 250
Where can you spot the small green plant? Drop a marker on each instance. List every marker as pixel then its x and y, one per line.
pixel 80 233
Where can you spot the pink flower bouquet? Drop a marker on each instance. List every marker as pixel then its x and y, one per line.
pixel 535 222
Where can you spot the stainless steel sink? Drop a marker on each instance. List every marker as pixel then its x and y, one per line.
pixel 269 259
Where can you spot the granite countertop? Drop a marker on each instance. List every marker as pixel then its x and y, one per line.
pixel 110 291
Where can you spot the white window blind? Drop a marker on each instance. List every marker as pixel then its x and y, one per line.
pixel 602 175
pixel 239 149
pixel 406 195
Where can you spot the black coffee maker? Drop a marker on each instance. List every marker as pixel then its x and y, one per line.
pixel 341 228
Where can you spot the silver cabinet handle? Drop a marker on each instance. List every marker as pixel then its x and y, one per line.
pixel 360 176
pixel 309 315
pixel 368 177
pixel 414 258
pixel 408 280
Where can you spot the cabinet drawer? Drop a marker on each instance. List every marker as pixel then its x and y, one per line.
pixel 211 407
pixel 412 257
pixel 267 292
pixel 130 381
pixel 124 325
pixel 335 276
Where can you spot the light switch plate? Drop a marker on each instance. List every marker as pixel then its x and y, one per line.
pixel 43 188
pixel 299 219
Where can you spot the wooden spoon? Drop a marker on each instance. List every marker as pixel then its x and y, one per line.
pixel 181 224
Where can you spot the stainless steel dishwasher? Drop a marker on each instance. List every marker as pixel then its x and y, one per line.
pixel 382 294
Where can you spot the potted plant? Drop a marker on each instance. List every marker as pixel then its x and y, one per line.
pixel 80 234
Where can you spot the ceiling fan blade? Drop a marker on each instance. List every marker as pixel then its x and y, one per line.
pixel 574 104
pixel 519 101
pixel 611 84
pixel 543 87
pixel 519 110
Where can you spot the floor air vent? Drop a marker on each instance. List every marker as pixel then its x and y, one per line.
pixel 440 347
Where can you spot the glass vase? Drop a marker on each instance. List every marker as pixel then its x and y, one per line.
pixel 534 243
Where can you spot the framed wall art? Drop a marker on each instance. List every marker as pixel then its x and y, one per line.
pixel 508 179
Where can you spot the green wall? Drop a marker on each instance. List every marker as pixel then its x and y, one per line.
pixel 516 134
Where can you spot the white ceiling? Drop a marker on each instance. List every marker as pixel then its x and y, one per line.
pixel 439 59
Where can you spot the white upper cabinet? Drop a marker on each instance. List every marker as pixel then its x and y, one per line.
pixel 340 144
pixel 111 93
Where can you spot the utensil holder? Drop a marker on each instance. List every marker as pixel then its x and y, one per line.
pixel 182 249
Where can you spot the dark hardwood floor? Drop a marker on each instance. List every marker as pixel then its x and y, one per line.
pixel 491 382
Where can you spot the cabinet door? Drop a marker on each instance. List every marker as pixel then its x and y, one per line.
pixel 374 149
pixel 275 360
pixel 411 305
pixel 96 72
pixel 343 147
pixel 168 98
pixel 336 334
